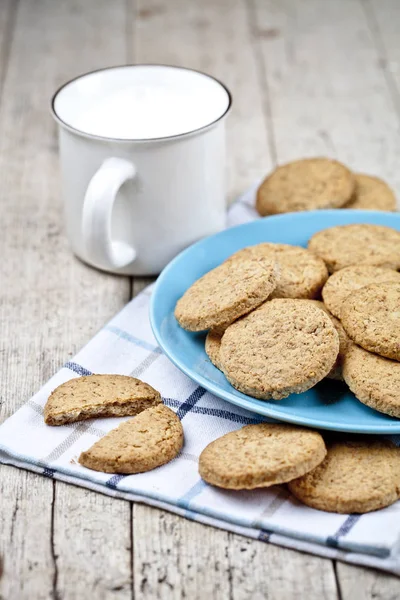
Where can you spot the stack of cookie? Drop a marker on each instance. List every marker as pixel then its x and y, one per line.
pixel 316 183
pixel 271 336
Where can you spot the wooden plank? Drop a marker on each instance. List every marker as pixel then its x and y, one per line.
pixel 384 19
pixel 50 302
pixel 213 37
pixel 176 558
pixel 7 19
pixel 359 584
pixel 93 545
pixel 328 94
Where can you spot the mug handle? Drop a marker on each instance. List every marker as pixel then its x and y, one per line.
pixel 97 212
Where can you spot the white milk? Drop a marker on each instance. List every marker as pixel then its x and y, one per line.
pixel 157 102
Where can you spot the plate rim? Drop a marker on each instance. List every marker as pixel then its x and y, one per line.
pixel 242 401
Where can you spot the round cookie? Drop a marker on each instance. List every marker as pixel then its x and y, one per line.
pixel 301 273
pixel 213 346
pixel 371 317
pixel 285 346
pixel 344 342
pixel 98 396
pixel 373 379
pixel 306 184
pixel 342 283
pixel 226 293
pixel 150 440
pixel 261 455
pixel 358 244
pixel 355 477
pixel 371 193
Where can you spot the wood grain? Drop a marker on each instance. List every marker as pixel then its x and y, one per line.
pixel 51 303
pixel 176 558
pixel 328 93
pixel 213 37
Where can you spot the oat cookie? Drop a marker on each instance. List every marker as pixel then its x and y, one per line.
pixel 150 440
pixel 305 184
pixel 96 396
pixel 371 317
pixel 344 282
pixel 344 342
pixel 285 346
pixel 226 293
pixel 301 273
pixel 358 244
pixel 213 346
pixel 355 477
pixel 371 193
pixel 373 379
pixel 261 455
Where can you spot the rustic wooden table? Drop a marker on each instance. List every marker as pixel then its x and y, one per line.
pixel 308 77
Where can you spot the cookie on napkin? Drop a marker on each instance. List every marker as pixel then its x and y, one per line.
pixel 355 477
pixel 371 193
pixel 150 440
pixel 306 184
pixel 261 455
pixel 96 396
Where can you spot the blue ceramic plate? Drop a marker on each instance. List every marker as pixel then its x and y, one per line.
pixel 330 404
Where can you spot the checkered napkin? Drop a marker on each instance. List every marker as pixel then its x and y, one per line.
pixel 126 346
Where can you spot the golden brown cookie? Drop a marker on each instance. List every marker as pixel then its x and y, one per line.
pixel 213 346
pixel 371 193
pixel 344 342
pixel 355 477
pixel 150 440
pixel 96 396
pixel 261 455
pixel 285 346
pixel 371 318
pixel 344 282
pixel 373 379
pixel 301 273
pixel 305 184
pixel 358 244
pixel 226 293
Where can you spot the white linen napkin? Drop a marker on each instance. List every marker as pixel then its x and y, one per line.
pixel 126 345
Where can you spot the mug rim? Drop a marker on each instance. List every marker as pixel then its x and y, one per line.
pixel 167 138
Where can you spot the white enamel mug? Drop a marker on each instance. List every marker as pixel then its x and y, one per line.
pixel 132 202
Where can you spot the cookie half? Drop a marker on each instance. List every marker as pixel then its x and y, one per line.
pixel 226 293
pixel 306 184
pixel 358 244
pixel 371 317
pixel 373 379
pixel 96 396
pixel 371 193
pixel 355 477
pixel 150 440
pixel 344 282
pixel 301 273
pixel 285 346
pixel 261 455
